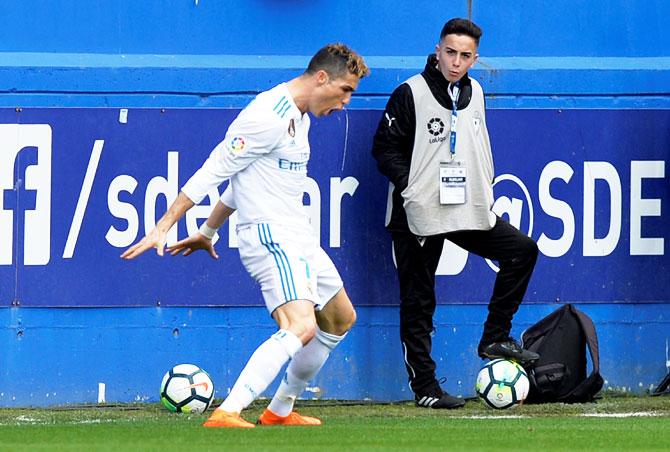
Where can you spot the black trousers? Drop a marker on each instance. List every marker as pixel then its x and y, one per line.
pixel 516 255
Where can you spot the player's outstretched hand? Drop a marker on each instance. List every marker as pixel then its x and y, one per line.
pixel 154 239
pixel 193 243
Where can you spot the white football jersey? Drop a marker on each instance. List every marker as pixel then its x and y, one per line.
pixel 265 155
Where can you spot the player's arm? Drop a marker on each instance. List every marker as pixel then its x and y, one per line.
pixel 394 139
pixel 203 238
pixel 158 235
pixel 249 137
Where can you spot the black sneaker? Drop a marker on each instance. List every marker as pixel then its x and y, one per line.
pixel 435 397
pixel 508 349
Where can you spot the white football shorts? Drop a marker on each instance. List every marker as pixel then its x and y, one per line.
pixel 288 264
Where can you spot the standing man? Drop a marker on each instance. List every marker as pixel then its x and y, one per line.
pixel 433 145
pixel 265 155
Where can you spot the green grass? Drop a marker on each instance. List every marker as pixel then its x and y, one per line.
pixel 350 427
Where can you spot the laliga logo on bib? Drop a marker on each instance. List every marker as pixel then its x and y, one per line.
pixel 513 203
pixel 435 126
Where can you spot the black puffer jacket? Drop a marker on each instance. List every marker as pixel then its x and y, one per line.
pixel 394 139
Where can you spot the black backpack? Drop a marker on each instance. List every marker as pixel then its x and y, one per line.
pixel 559 375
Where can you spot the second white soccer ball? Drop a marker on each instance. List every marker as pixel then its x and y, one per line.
pixel 502 384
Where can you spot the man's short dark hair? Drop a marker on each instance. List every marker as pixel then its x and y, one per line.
pixel 461 27
pixel 338 60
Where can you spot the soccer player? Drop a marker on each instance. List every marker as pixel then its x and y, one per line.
pixel 264 155
pixel 433 145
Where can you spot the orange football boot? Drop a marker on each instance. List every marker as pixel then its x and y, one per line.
pixel 220 418
pixel 269 418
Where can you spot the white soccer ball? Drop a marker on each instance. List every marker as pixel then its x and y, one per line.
pixel 502 384
pixel 187 388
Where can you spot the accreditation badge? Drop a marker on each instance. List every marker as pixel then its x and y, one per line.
pixel 452 182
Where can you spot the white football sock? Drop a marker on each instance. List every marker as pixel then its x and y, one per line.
pixel 261 369
pixel 303 367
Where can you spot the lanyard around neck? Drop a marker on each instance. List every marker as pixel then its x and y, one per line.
pixel 454 90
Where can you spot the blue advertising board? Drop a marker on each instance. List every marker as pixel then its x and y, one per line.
pixel 78 186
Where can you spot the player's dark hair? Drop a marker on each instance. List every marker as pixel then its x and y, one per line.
pixel 338 60
pixel 461 27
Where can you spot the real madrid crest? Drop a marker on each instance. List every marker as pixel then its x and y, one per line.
pixel 291 127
